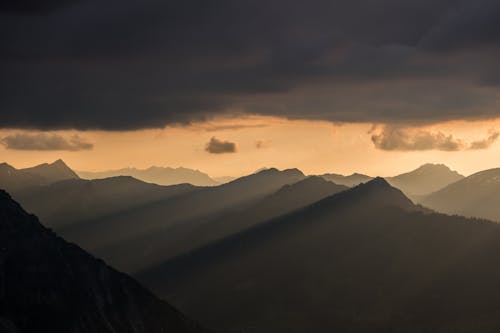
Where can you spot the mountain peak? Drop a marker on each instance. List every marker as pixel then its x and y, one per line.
pixel 374 192
pixel 294 172
pixel 59 162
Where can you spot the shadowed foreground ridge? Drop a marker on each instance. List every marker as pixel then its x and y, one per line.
pixel 49 285
pixel 362 260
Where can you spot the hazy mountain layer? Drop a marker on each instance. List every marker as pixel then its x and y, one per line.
pixel 13 179
pixel 165 243
pixel 157 175
pixel 363 260
pixel 75 201
pixel 49 285
pixel 477 195
pixel 424 180
pixel 113 235
pixel 350 181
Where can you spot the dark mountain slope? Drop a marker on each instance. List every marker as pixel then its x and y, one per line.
pixel 477 195
pixel 363 260
pixel 71 201
pixel 426 179
pixel 48 285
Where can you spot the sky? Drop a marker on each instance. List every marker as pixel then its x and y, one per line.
pixel 227 87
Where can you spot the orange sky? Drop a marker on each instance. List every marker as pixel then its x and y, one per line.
pixel 313 146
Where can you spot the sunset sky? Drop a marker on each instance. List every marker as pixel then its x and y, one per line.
pixel 228 87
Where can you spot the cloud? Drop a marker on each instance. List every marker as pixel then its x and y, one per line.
pixel 485 143
pixel 121 65
pixel 393 138
pixel 216 146
pixel 44 142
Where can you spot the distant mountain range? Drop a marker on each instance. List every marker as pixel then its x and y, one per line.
pixel 424 180
pixel 477 196
pixel 362 260
pixel 13 179
pixel 49 285
pixel 157 175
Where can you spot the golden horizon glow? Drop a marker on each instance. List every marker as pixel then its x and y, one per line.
pixel 315 147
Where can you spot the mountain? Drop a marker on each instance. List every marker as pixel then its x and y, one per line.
pixel 13 179
pixel 424 180
pixel 121 234
pixel 167 243
pixel 77 200
pixel 52 172
pixel 157 175
pixel 350 181
pixel 473 196
pixel 363 260
pixel 49 285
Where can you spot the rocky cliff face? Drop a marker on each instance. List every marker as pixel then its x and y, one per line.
pixel 49 285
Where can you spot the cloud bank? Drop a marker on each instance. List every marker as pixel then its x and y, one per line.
pixel 403 139
pixel 44 142
pixel 119 65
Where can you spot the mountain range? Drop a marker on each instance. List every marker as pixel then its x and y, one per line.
pixel 13 179
pixel 476 196
pixel 49 285
pixel 157 175
pixel 362 260
pixel 274 251
pixel 424 180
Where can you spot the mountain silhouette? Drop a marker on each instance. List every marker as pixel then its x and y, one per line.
pixel 118 232
pixel 362 260
pixel 426 179
pixel 474 196
pixel 13 179
pixel 49 285
pixel 350 181
pixel 157 175
pixel 165 243
pixel 77 200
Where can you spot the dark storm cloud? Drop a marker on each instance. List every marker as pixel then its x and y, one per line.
pixel 140 64
pixel 44 142
pixel 216 146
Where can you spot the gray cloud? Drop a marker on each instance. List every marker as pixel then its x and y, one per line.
pixel 130 64
pixel 44 141
pixel 394 138
pixel 216 146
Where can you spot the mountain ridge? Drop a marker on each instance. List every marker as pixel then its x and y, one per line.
pixel 49 285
